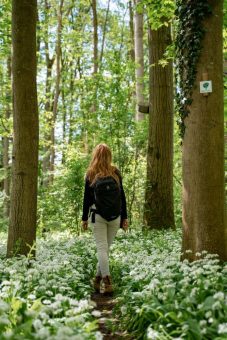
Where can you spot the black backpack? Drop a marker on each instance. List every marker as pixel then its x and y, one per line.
pixel 107 198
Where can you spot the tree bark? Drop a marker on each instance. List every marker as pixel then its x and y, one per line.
pixel 71 87
pixel 23 209
pixel 203 151
pixel 48 105
pixel 1 165
pixel 57 91
pixel 132 33
pixel 139 60
pixel 159 212
pixel 48 111
pixel 95 37
pixel 104 34
pixel 6 147
pixel 64 122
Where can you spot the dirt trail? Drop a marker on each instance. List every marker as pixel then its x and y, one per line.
pixel 105 304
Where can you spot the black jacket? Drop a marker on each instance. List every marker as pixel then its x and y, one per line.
pixel 89 200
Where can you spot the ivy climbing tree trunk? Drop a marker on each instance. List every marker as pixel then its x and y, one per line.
pixel 159 210
pixel 23 209
pixel 203 150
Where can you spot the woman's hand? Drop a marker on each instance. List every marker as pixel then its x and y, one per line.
pixel 85 225
pixel 125 224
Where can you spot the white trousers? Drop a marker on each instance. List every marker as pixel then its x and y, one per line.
pixel 104 233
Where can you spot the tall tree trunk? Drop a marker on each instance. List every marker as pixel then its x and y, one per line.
pixel 23 208
pixel 57 90
pixel 104 34
pixel 139 60
pixel 6 168
pixel 71 102
pixel 6 147
pixel 64 113
pixel 48 105
pixel 95 37
pixel 132 34
pixel 203 151
pixel 48 111
pixel 158 210
pixel 1 165
pixel 93 108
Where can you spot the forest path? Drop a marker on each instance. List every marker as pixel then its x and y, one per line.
pixel 105 305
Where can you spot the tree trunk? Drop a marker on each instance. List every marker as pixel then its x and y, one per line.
pixel 7 178
pixel 6 148
pixel 132 34
pixel 1 165
pixel 93 108
pixel 158 210
pixel 139 60
pixel 23 208
pixel 48 106
pixel 95 37
pixel 203 151
pixel 71 90
pixel 57 91
pixel 64 121
pixel 104 34
pixel 48 112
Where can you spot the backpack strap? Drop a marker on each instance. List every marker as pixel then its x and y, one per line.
pixel 93 212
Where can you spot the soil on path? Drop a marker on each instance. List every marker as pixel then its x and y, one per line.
pixel 105 305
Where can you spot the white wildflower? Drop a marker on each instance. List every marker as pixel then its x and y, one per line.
pixel 152 334
pixel 216 305
pixel 37 324
pixel 123 310
pixel 4 307
pixel 219 296
pixel 46 302
pixel 208 314
pixel 43 333
pixel 189 251
pixel 222 328
pixel 96 313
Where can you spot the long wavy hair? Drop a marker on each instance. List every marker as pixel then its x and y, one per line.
pixel 100 165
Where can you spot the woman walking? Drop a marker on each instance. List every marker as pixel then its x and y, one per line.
pixel 105 204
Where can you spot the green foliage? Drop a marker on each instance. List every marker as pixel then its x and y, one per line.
pixel 159 12
pixel 96 109
pixel 160 297
pixel 177 177
pixel 5 27
pixel 190 33
pixel 3 219
pixel 60 206
pixel 48 298
pixel 5 57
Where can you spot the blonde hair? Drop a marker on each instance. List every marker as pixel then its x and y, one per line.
pixel 100 165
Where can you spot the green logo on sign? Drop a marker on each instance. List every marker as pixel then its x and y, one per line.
pixel 206 85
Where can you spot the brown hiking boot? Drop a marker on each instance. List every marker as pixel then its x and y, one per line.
pixel 96 283
pixel 108 288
